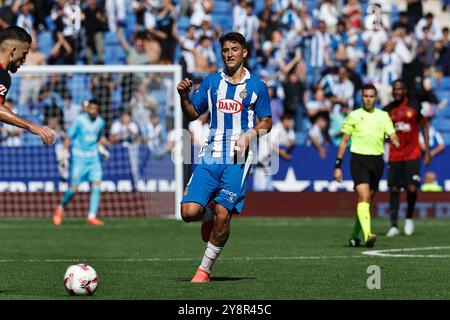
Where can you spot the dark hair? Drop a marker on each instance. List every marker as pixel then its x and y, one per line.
pixel 94 101
pixel 15 33
pixel 369 87
pixel 233 37
pixel 399 81
pixel 287 115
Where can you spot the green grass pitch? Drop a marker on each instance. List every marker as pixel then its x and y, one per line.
pixel 265 258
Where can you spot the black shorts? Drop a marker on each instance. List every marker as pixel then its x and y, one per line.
pixel 366 169
pixel 404 173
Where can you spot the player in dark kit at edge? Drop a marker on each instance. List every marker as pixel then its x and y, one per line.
pixel 405 161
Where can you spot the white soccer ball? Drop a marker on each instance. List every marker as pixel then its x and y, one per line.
pixel 80 280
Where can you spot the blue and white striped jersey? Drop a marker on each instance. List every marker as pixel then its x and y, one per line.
pixel 84 134
pixel 232 109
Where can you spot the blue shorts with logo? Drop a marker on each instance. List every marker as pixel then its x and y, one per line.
pixel 224 183
pixel 82 170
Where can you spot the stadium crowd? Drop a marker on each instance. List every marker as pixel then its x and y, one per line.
pixel 313 56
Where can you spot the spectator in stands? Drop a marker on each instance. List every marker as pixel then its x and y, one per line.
pixel 166 31
pixel 390 65
pixel 208 29
pixel 317 137
pixel 268 21
pixel 342 90
pixel 431 183
pixel 403 22
pixel 276 105
pixel 353 51
pixel 425 48
pixel 415 12
pixel 385 11
pixel 352 13
pixel 442 51
pixel 337 118
pixel 353 76
pixel 205 58
pixel 123 130
pixel 374 39
pixel 295 94
pixel 137 53
pixel 320 51
pixel 153 135
pixel 63 169
pixel 329 14
pixel 282 135
pixel 145 12
pixel 239 13
pixel 436 141
pixel 67 18
pixel 434 28
pixel 71 110
pixel 199 130
pixel 280 141
pixel 25 18
pixel 248 27
pixel 31 84
pixel 9 134
pixel 318 107
pixel 41 10
pixel 61 51
pixel 94 23
pixel 8 12
pixel 102 87
pixel 115 13
pixel 187 46
pixel 200 9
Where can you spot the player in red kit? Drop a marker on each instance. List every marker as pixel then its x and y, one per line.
pixel 405 161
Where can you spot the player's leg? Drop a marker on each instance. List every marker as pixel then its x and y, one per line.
pixel 360 171
pixel 395 177
pixel 95 176
pixel 196 204
pixel 77 175
pixel 412 179
pixel 230 198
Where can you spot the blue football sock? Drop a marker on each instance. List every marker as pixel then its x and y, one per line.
pixel 94 202
pixel 68 195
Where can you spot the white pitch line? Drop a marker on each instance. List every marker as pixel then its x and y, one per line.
pixel 179 259
pixel 387 253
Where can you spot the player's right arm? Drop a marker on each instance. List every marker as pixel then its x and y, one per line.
pixel 184 88
pixel 46 134
pixel 337 174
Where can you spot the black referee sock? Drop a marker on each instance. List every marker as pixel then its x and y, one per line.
pixel 411 198
pixel 394 205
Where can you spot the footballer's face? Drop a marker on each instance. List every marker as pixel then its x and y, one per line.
pixel 19 51
pixel 369 96
pixel 233 54
pixel 399 91
pixel 92 110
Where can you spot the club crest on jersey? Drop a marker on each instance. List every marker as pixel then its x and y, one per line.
pixel 243 94
pixel 409 114
pixel 229 106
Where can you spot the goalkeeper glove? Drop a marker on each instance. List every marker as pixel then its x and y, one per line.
pixel 105 153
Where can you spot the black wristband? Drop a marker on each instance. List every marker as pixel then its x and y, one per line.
pixel 338 163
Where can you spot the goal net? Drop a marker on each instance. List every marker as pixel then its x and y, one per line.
pixel 140 107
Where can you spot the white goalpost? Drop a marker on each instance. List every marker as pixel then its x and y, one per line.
pixel 140 178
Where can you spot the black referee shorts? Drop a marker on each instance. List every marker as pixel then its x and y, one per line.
pixel 366 169
pixel 404 173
